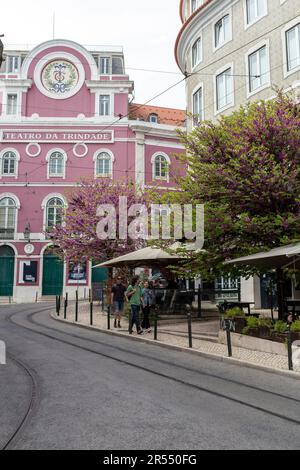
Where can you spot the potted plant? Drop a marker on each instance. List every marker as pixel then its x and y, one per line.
pixel 238 316
pixel 252 327
pixel 265 327
pixel 279 331
pixel 295 330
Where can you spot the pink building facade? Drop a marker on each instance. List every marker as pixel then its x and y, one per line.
pixel 65 113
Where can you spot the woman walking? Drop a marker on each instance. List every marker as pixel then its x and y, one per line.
pixel 147 303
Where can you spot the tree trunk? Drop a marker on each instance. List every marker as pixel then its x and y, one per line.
pixel 280 293
pixel 109 286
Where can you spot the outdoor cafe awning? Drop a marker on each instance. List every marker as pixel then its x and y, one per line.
pixel 144 257
pixel 281 257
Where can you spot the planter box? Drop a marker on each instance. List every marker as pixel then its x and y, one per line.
pixel 240 323
pixel 255 344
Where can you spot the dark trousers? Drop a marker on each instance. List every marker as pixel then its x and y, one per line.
pixel 146 321
pixel 135 318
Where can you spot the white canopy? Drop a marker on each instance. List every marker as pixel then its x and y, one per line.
pixel 144 257
pixel 280 257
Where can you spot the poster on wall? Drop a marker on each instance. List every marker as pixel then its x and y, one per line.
pixel 77 273
pixel 28 272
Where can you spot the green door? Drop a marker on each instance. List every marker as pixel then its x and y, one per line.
pixel 99 274
pixel 53 275
pixel 7 268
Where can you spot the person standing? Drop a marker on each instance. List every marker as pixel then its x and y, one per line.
pixel 147 302
pixel 118 298
pixel 134 296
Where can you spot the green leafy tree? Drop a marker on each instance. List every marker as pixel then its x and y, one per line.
pixel 245 168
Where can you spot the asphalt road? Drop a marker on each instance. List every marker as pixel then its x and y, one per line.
pixel 68 388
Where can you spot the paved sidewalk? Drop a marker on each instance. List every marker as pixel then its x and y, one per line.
pixel 204 337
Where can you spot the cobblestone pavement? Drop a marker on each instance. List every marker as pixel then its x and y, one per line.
pixel 204 337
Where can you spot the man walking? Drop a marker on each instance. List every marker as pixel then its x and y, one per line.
pixel 118 298
pixel 134 296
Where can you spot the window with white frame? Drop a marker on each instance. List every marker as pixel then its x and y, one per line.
pixel 255 9
pixel 293 47
pixel 8 212
pixel 13 64
pixel 198 106
pixel 222 31
pixel 56 165
pixel 12 104
pixel 224 89
pixel 258 69
pixel 153 118
pixel 104 65
pixel 197 52
pixel 9 164
pixel 104 165
pixel 54 212
pixel 226 283
pixel 161 168
pixel 104 105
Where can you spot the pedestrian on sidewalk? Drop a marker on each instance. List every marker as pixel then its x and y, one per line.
pixel 118 299
pixel 147 303
pixel 133 295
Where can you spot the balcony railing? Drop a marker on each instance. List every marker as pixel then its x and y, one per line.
pixel 7 234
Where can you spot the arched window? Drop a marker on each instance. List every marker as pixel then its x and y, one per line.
pixel 103 165
pixel 54 212
pixel 9 164
pixel 160 168
pixel 153 118
pixel 56 165
pixel 8 211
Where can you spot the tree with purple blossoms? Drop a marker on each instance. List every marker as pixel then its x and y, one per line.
pixel 77 235
pixel 245 168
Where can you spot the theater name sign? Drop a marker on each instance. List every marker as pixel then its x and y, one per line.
pixel 61 136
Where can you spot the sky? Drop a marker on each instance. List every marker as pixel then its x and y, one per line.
pixel 147 30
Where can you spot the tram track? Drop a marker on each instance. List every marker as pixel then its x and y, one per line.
pixel 31 321
pixel 32 396
pixel 32 403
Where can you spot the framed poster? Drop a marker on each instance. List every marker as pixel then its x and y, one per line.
pixel 77 273
pixel 28 271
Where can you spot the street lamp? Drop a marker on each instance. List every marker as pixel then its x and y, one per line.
pixel 27 232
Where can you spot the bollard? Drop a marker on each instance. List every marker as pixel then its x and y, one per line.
pixel 130 322
pixel 91 313
pixel 56 304
pixel 36 297
pixel 59 305
pixel 189 318
pixel 65 307
pixel 289 345
pixel 199 302
pixel 76 307
pixel 108 317
pixel 155 324
pixel 228 334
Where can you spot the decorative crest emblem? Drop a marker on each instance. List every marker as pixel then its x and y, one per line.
pixel 60 77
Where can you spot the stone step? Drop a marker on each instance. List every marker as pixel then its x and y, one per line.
pixel 47 298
